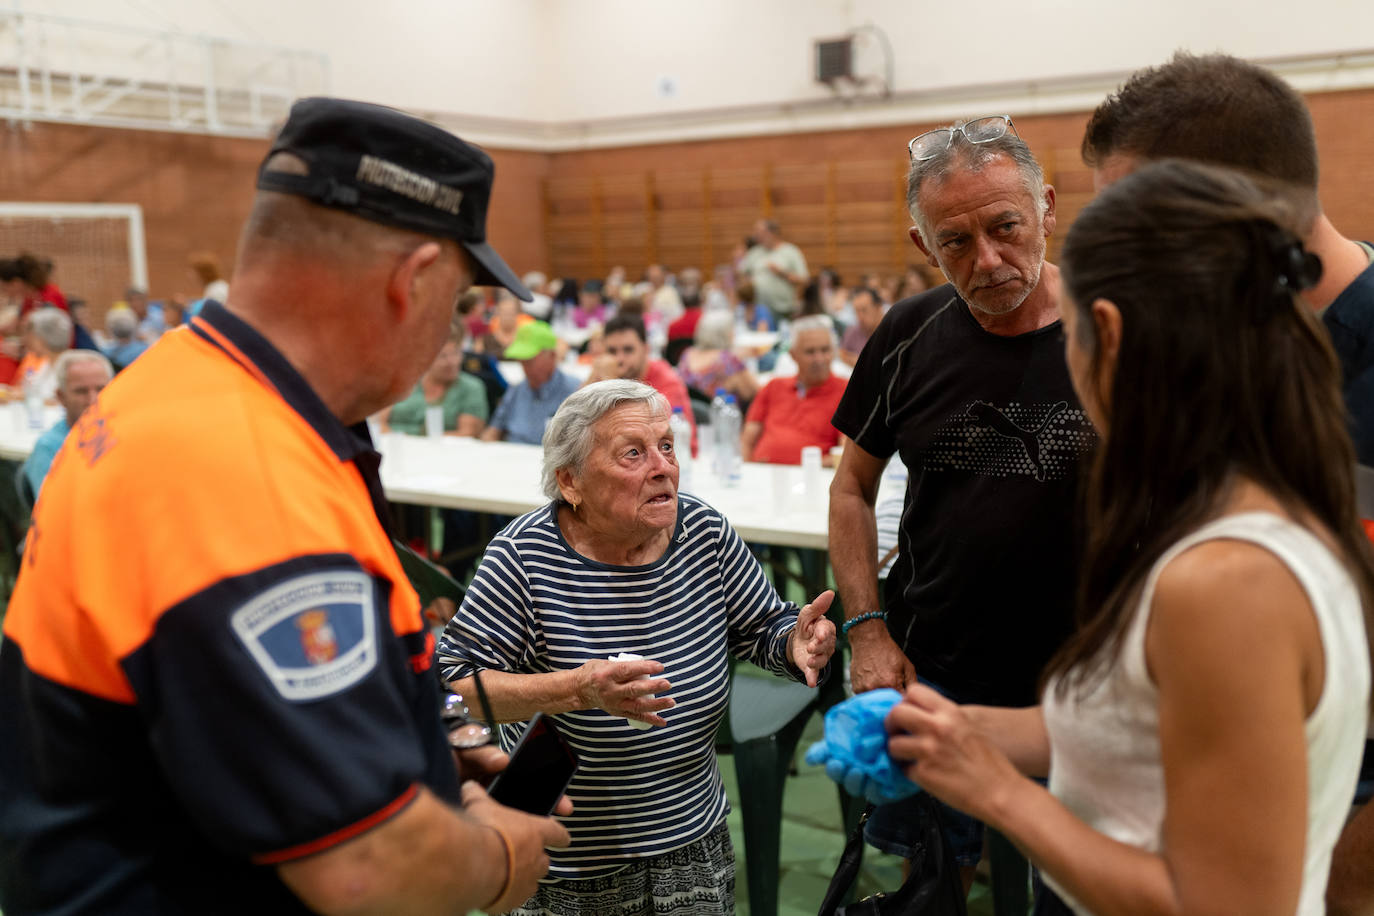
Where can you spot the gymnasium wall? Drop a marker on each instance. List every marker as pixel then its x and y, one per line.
pixel 838 194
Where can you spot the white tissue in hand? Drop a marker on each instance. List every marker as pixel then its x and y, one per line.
pixel 631 657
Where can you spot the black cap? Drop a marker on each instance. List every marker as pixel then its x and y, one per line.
pixel 388 167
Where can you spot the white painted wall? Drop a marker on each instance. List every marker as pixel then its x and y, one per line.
pixel 610 53
pixel 476 57
pixel 570 62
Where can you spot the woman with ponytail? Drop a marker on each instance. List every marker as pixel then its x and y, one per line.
pixel 1202 731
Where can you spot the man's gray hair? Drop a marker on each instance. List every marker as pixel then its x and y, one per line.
pixel 961 156
pixel 53 326
pixel 64 364
pixel 715 330
pixel 813 323
pixel 121 323
pixel 570 438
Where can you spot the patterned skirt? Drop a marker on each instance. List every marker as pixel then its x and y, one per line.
pixel 696 880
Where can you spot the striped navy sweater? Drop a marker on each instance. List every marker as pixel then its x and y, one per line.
pixel 536 605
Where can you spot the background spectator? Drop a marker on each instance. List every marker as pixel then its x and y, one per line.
pixel 81 375
pixel 125 347
pixel 461 395
pixel 711 363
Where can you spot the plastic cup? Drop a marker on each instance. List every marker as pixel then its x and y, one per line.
pixel 434 422
pixel 811 470
pixel 782 488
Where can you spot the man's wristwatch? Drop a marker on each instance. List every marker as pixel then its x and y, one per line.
pixel 463 730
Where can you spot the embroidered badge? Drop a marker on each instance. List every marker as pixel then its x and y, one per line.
pixel 313 636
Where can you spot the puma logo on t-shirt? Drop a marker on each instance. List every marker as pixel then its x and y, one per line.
pixel 990 417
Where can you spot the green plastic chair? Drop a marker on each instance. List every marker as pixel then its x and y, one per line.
pixel 766 720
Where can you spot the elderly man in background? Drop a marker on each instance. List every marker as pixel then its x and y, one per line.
pixel 792 413
pixel 81 375
pixel 263 705
pixel 776 267
pixel 868 313
pixel 125 346
pixel 968 383
pixel 527 407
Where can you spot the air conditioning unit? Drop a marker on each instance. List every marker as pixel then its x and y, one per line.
pixel 834 59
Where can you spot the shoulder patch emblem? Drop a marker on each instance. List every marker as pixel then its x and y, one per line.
pixel 313 636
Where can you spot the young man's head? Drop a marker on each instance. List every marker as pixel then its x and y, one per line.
pixel 626 340
pixel 1213 108
pixel 868 308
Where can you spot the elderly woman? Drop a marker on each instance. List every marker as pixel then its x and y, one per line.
pixel 446 385
pixel 710 363
pixel 619 562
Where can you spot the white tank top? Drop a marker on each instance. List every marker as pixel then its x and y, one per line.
pixel 1104 746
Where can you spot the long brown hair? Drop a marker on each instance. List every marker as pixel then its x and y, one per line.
pixel 1222 371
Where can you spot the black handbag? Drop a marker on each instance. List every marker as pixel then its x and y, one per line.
pixel 932 888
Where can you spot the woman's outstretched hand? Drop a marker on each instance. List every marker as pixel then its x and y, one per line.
pixel 813 641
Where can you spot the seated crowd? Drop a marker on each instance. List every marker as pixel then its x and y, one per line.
pixel 1134 641
pixel 51 353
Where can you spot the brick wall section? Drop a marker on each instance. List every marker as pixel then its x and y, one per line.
pixel 196 191
pixel 838 194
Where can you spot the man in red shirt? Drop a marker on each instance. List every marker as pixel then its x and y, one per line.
pixel 627 356
pixel 792 413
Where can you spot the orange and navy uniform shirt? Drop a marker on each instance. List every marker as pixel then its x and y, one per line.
pixel 212 662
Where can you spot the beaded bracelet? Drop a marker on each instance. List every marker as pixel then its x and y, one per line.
pixel 855 621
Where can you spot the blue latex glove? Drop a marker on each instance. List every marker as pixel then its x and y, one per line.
pixel 854 750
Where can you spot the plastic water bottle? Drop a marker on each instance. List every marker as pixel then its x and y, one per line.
pixel 682 448
pixel 33 400
pixel 728 443
pixel 717 405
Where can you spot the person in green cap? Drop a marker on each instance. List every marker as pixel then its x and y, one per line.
pixel 527 407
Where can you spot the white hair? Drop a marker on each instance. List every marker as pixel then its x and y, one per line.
pixel 814 323
pixel 570 437
pixel 63 366
pixel 121 323
pixel 53 326
pixel 715 330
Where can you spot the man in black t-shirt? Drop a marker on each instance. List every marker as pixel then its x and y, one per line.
pixel 968 383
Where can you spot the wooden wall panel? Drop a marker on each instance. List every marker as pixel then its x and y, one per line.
pixel 839 194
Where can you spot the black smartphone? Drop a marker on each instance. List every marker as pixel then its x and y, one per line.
pixel 541 766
